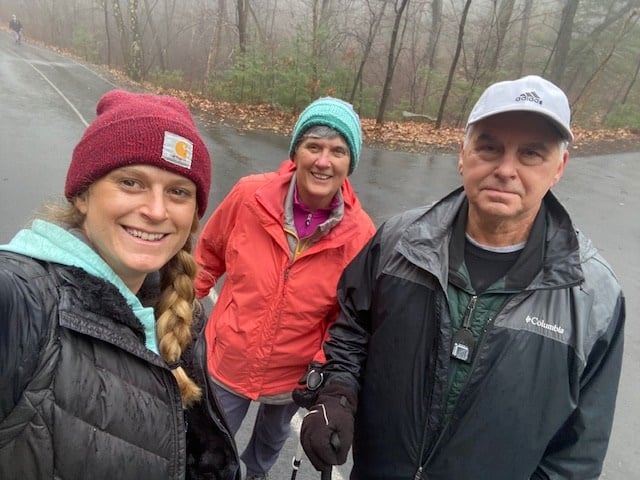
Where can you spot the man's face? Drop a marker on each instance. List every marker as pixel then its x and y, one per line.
pixel 508 163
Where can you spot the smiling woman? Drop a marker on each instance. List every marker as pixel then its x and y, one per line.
pixel 138 218
pixel 97 302
pixel 282 239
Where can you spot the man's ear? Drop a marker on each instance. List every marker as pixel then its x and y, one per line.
pixel 460 157
pixel 561 167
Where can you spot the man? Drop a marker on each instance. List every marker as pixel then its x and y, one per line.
pixel 281 239
pixel 481 337
pixel 16 26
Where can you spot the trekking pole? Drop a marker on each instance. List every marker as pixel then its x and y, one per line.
pixel 296 461
pixel 335 444
pixel 297 457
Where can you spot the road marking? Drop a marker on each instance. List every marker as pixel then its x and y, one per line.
pixel 67 62
pixel 82 119
pixel 51 64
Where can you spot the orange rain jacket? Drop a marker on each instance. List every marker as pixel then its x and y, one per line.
pixel 273 311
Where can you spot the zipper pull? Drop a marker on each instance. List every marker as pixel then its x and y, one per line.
pixel 469 312
pixel 463 342
pixel 307 222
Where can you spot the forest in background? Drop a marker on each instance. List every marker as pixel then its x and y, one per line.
pixel 418 59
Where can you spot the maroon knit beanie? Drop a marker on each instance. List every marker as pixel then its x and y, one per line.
pixel 140 128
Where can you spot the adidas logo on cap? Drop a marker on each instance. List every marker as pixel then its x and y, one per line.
pixel 531 93
pixel 529 97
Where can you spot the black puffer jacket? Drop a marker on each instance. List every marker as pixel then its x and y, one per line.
pixel 81 396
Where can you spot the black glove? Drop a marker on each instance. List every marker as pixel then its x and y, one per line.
pixel 327 429
pixel 312 380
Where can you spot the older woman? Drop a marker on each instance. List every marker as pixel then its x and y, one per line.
pixel 282 239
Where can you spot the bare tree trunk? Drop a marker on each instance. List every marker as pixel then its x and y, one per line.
pixel 432 46
pixel 391 61
pixel 273 19
pixel 320 16
pixel 502 25
pixel 122 30
pixel 454 63
pixel 242 7
pixel 324 11
pixel 105 10
pixel 214 46
pixel 160 51
pixel 591 41
pixel 524 36
pixel 374 26
pixel 626 28
pixel 563 41
pixel 609 19
pixel 634 78
pixel 169 15
pixel 261 35
pixel 315 82
pixel 136 56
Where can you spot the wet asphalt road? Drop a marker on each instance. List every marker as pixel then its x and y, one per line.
pixel 46 101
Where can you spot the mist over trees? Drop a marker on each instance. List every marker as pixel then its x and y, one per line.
pixel 428 57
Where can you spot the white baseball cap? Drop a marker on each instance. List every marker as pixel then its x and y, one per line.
pixel 529 94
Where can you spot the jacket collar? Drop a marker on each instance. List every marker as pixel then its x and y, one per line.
pixel 96 308
pixel 50 242
pixel 272 193
pixel 521 273
pixel 271 196
pixel 426 242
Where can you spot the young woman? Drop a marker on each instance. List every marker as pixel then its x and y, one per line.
pixel 99 374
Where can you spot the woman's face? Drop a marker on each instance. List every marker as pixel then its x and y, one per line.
pixel 137 218
pixel 322 164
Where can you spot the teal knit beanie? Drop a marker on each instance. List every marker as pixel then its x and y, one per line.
pixel 334 113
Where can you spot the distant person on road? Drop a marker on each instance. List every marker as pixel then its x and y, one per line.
pixel 480 337
pixel 282 240
pixel 99 375
pixel 16 26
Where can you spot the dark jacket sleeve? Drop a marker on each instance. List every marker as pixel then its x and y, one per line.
pixel 211 450
pixel 347 345
pixel 578 449
pixel 23 327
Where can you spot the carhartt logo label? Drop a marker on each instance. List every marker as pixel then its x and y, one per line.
pixel 177 149
pixel 538 322
pixel 529 97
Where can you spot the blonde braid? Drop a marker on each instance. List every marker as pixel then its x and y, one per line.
pixel 174 312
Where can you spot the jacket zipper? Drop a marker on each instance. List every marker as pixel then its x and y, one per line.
pixel 419 472
pixel 466 322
